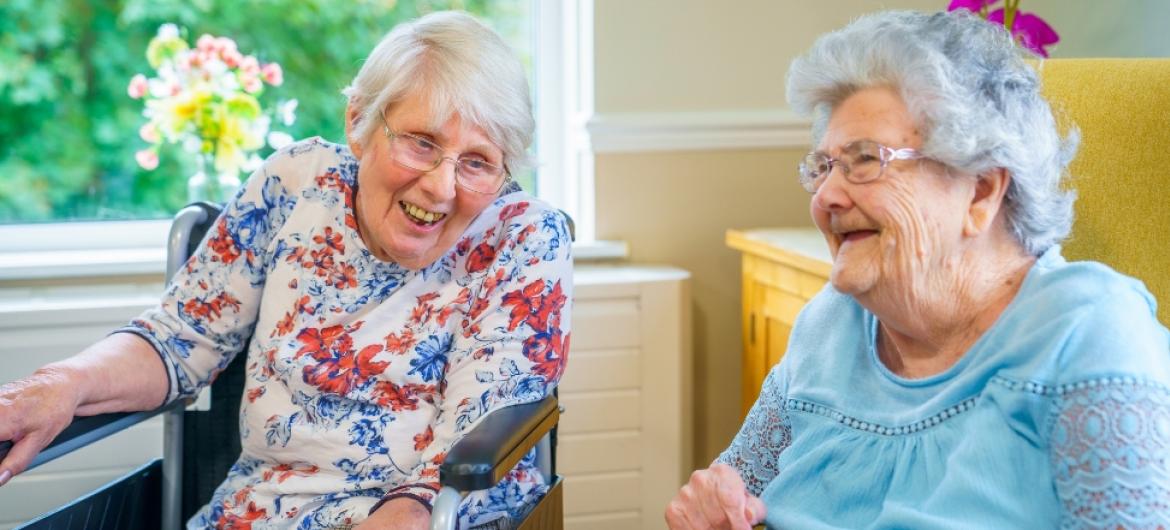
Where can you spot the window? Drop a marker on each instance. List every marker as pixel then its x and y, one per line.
pixel 68 176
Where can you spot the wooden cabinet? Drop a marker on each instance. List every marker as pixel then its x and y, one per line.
pixel 782 269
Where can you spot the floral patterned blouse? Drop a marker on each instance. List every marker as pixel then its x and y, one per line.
pixel 360 374
pixel 1057 417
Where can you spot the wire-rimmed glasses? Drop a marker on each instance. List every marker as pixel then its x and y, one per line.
pixel 472 172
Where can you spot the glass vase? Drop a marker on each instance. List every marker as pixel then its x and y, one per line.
pixel 207 184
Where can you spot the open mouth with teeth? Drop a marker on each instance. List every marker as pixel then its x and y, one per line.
pixel 420 216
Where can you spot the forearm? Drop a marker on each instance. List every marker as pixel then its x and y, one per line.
pixel 121 372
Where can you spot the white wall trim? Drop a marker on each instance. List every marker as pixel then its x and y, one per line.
pixel 113 263
pixel 631 132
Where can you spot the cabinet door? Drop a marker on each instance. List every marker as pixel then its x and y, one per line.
pixel 755 354
pixel 774 295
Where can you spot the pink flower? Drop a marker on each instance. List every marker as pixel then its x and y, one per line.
pixel 206 43
pixel 147 158
pixel 249 65
pixel 232 58
pixel 251 83
pixel 1032 31
pixel 272 74
pixel 137 87
pixel 224 45
pixel 974 6
pixel 149 133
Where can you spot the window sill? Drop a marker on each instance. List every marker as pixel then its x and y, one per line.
pixel 110 263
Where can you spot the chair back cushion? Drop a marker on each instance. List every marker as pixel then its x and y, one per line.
pixel 1122 171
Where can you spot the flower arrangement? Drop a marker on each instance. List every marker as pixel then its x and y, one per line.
pixel 1029 29
pixel 206 99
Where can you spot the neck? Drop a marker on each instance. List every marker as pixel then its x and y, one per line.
pixel 930 324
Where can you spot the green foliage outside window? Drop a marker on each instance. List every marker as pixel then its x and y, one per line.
pixel 68 129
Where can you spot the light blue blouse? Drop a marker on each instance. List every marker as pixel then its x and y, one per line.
pixel 1058 416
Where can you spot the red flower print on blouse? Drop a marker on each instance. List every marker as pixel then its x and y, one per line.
pixel 530 306
pixel 463 246
pixel 212 309
pixel 344 276
pixel 513 210
pixel 241 521
pixel 283 472
pixel 222 244
pixel 338 370
pixel 547 352
pixel 423 439
pixel 399 344
pixel 400 398
pixel 481 258
pixel 331 240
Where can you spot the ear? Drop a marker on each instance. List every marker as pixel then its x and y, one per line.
pixel 352 118
pixel 986 201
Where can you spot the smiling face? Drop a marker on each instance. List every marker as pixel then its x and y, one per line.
pixel 409 216
pixel 894 234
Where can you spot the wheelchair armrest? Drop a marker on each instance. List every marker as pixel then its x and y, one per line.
pixel 486 454
pixel 88 429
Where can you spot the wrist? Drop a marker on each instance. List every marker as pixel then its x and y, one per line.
pixel 68 380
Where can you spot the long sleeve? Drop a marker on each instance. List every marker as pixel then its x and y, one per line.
pixel 766 432
pixel 1110 453
pixel 208 311
pixel 509 345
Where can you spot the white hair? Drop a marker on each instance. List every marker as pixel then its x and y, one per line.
pixel 970 90
pixel 462 66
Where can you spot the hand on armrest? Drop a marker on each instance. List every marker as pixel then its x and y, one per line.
pixel 482 457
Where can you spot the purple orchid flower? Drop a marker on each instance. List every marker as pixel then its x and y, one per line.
pixel 1032 31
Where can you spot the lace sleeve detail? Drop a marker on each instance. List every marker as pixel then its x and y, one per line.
pixel 1110 454
pixel 766 432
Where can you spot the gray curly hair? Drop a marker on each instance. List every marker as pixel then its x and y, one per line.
pixel 463 66
pixel 976 99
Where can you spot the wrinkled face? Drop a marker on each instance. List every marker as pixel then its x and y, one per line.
pixel 409 216
pixel 890 235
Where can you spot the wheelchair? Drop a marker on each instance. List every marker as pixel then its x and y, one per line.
pixel 200 446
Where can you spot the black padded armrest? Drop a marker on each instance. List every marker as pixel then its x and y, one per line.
pixel 88 429
pixel 481 458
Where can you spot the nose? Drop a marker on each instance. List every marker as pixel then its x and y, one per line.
pixel 833 193
pixel 439 183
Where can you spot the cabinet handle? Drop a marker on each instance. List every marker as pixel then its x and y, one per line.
pixel 752 329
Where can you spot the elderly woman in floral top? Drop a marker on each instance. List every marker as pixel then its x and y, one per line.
pixel 388 293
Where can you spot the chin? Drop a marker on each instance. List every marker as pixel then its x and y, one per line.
pixel 850 282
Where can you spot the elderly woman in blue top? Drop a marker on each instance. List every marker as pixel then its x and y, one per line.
pixel 388 294
pixel 958 372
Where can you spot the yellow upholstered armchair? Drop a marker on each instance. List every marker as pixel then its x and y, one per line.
pixel 1122 171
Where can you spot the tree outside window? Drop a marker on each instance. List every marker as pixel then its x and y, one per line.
pixel 69 131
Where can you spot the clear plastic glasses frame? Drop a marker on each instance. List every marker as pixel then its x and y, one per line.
pixel 860 162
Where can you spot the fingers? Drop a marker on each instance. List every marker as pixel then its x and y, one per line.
pixel 20 457
pixel 32 412
pixel 714 498
pixel 755 510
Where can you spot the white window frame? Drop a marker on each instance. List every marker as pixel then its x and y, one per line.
pixel 564 71
pixel 564 79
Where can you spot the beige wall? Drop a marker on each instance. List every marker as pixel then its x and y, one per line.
pixel 674 208
pixel 667 56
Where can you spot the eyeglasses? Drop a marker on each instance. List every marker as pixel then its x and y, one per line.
pixel 472 172
pixel 861 162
